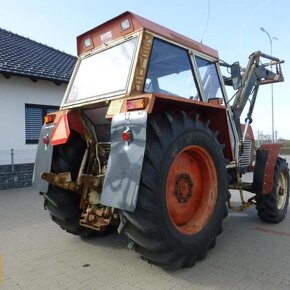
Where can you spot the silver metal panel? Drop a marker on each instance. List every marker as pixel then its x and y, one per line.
pixel 122 179
pixel 246 156
pixel 43 160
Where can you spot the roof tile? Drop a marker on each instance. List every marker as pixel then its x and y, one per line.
pixel 22 56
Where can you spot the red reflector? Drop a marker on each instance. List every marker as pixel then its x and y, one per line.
pixel 45 140
pixel 127 135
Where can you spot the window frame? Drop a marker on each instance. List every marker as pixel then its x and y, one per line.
pixel 207 58
pixel 190 62
pixel 109 95
pixel 44 112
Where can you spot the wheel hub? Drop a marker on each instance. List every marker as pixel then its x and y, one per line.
pixel 183 188
pixel 281 191
pixel 191 192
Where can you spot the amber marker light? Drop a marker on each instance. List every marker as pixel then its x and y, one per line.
pixel 49 119
pixel 137 104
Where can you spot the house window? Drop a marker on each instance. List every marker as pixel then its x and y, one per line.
pixel 34 115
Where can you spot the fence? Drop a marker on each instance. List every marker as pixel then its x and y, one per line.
pixel 14 156
pixel 16 168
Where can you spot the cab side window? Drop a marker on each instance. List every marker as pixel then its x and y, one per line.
pixel 170 71
pixel 210 79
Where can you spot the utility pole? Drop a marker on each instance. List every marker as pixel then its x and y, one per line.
pixel 272 91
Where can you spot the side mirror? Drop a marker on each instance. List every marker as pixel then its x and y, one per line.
pixel 236 75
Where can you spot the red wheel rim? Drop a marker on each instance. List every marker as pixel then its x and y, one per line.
pixel 191 189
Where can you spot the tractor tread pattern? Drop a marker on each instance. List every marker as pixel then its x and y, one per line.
pixel 143 226
pixel 267 204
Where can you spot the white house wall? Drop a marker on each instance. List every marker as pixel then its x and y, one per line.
pixel 15 92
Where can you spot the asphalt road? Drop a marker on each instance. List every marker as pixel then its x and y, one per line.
pixel 37 254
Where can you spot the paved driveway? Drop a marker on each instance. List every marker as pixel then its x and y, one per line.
pixel 37 254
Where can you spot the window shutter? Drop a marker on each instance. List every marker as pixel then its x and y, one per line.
pixel 48 111
pixel 34 115
pixel 33 123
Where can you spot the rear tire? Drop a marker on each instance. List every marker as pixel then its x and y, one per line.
pixel 182 194
pixel 272 208
pixel 62 204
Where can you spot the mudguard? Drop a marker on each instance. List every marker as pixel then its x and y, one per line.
pixel 121 184
pixel 43 159
pixel 264 168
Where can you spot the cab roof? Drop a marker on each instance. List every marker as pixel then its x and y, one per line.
pixel 112 30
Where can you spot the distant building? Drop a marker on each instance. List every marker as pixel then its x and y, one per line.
pixel 33 80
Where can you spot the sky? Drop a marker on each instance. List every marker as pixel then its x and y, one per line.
pixel 230 26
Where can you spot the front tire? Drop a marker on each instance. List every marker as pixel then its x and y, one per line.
pixel 182 194
pixel 272 208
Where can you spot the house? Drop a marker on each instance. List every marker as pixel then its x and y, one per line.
pixel 33 80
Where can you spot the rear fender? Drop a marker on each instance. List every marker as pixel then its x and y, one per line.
pixel 43 159
pixel 264 168
pixel 54 134
pixel 121 184
pixel 214 112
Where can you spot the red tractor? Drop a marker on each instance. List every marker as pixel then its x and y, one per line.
pixel 148 142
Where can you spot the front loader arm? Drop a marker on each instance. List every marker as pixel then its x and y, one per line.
pixel 256 74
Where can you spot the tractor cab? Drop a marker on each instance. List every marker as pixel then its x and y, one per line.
pixel 130 55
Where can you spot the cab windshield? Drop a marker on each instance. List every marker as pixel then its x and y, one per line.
pixel 102 74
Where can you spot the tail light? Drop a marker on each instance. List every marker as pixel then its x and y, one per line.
pixel 137 104
pixel 127 135
pixel 45 139
pixel 48 119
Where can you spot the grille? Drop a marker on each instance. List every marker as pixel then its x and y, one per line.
pixel 245 159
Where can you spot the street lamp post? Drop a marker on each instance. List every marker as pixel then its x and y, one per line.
pixel 272 91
